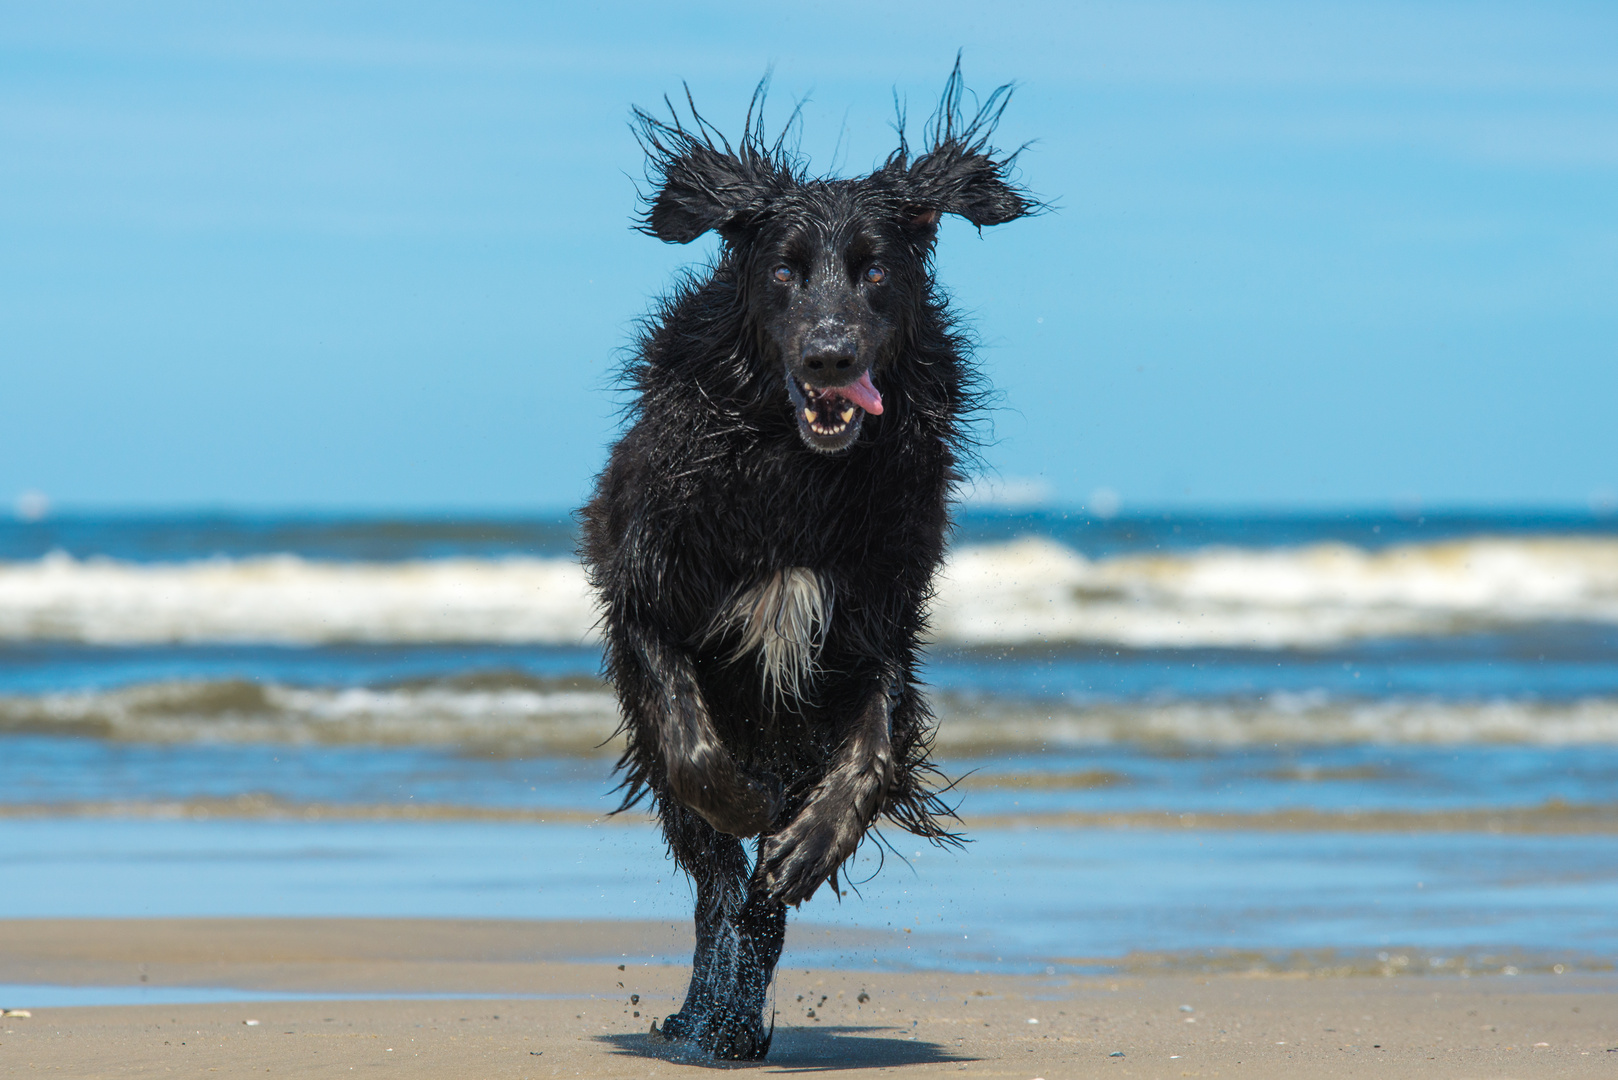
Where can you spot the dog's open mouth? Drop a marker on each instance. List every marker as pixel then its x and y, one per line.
pixel 829 417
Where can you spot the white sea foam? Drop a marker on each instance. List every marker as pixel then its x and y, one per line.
pixel 1026 592
pixel 565 717
pixel 988 725
pixel 296 601
pixel 1036 590
pixel 579 717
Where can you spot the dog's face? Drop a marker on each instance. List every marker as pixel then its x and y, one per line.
pixel 829 271
pixel 829 278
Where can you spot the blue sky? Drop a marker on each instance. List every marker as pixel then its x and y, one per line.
pixel 378 256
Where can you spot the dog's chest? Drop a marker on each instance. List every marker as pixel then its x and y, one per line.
pixel 782 621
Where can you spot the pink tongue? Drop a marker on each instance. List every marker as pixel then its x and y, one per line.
pixel 863 394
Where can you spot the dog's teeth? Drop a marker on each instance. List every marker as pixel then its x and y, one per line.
pixel 809 414
pixel 847 415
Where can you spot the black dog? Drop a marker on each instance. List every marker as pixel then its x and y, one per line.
pixel 765 535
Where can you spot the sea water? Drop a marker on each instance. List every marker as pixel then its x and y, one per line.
pixel 1179 739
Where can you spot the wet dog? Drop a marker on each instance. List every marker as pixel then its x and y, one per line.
pixel 765 534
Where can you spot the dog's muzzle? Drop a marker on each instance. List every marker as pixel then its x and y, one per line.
pixel 829 417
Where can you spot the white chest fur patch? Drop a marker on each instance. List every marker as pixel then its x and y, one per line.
pixel 783 618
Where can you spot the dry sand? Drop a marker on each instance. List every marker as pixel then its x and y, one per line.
pixel 910 1024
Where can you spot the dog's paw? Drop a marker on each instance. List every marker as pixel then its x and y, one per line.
pixel 794 863
pixel 736 1038
pixel 674 1027
pixel 726 1038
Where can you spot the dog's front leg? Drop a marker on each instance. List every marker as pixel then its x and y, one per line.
pixel 700 771
pixel 794 862
pixel 739 936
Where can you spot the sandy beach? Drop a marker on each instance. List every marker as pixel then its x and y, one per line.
pixel 548 999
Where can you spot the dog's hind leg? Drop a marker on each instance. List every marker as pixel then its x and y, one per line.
pixel 739 936
pixel 794 862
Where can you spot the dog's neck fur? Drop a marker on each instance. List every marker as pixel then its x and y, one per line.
pixel 783 618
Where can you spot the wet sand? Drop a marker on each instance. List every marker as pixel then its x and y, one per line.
pixel 572 1009
pixel 1551 818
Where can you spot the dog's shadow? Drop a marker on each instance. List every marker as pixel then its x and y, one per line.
pixel 798 1049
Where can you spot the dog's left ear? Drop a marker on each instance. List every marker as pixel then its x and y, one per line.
pixel 971 185
pixel 960 173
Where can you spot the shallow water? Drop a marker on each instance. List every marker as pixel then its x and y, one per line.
pixel 45 771
pixel 1015 899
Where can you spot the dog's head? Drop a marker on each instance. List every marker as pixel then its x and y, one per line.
pixel 830 271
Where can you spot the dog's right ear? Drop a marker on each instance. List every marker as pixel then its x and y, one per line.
pixel 699 190
pixel 699 181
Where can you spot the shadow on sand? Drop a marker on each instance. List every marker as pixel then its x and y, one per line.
pixel 801 1050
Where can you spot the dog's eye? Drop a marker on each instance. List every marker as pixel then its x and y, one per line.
pixel 783 274
pixel 875 275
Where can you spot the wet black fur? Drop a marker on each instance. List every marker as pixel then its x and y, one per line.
pixel 714 487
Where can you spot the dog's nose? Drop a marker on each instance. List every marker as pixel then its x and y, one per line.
pixel 830 354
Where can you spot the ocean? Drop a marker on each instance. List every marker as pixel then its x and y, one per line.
pixel 1187 740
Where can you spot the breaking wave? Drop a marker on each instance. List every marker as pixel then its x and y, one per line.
pixel 521 715
pixel 513 713
pixel 1034 590
pixel 1027 592
pixel 286 599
